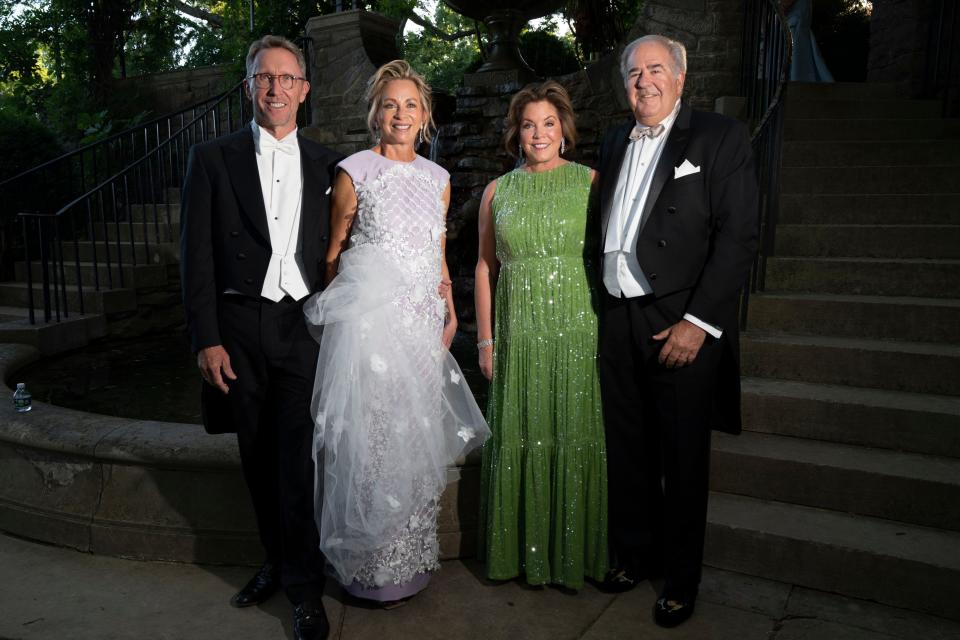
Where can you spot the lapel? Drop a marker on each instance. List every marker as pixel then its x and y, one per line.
pixel 670 157
pixel 611 174
pixel 240 158
pixel 315 183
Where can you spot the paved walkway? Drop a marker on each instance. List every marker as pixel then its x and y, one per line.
pixel 49 592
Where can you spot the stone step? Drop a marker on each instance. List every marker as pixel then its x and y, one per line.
pixel 140 231
pixel 106 301
pixel 836 153
pixel 914 367
pixel 868 276
pixel 163 253
pixel 890 562
pixel 141 275
pixel 162 212
pixel 870 180
pixel 906 487
pixel 874 317
pixel 833 128
pixel 810 208
pixel 842 91
pixel 70 332
pixel 893 109
pixel 868 241
pixel 912 422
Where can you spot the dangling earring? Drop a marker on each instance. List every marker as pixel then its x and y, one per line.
pixel 520 151
pixel 376 136
pixel 563 146
pixel 420 136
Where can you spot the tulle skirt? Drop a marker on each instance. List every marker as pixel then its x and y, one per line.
pixel 392 412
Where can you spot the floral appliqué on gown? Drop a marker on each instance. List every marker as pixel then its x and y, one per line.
pixel 391 406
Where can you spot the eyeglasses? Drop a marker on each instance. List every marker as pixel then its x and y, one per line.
pixel 263 80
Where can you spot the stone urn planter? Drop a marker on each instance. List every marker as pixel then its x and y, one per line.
pixel 504 20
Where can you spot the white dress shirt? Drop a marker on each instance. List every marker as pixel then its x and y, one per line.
pixel 622 275
pixel 281 181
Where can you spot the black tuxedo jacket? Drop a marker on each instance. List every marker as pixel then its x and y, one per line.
pixel 224 240
pixel 699 232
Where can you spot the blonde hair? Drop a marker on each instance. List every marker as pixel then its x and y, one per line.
pixel 398 70
pixel 550 91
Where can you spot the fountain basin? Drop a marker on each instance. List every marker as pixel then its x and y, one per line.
pixel 147 489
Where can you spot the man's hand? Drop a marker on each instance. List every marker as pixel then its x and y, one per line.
pixel 683 342
pixel 211 361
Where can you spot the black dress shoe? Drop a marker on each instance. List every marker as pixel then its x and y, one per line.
pixel 619 580
pixel 261 586
pixel 310 621
pixel 669 611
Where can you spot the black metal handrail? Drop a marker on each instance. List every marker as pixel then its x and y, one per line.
pixel 118 222
pixel 50 184
pixel 765 71
pixel 943 76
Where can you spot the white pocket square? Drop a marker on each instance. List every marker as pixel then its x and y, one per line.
pixel 684 169
pixel 327 192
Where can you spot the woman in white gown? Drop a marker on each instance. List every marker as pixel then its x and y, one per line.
pixel 391 406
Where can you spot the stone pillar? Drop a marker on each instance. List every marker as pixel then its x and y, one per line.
pixel 711 30
pixel 346 49
pixel 899 44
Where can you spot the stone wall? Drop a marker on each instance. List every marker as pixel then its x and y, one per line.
pixel 171 91
pixel 903 50
pixel 711 31
pixel 347 48
pixel 470 146
pixel 899 31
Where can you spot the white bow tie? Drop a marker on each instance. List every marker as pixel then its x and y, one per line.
pixel 271 144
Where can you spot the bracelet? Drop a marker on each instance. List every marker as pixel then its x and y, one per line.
pixel 483 344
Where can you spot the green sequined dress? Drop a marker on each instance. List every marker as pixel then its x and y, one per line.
pixel 544 470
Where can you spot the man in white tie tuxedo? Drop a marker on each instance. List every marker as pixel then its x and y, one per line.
pixel 679 207
pixel 254 228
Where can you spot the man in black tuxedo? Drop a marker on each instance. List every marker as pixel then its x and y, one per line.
pixel 254 233
pixel 679 210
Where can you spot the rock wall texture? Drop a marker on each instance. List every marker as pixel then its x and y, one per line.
pixel 910 47
pixel 899 31
pixel 170 91
pixel 347 48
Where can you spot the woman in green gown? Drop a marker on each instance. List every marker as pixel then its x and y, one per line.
pixel 544 471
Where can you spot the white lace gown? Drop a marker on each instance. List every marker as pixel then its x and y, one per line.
pixel 391 406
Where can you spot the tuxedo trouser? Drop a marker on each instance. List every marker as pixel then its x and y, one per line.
pixel 657 423
pixel 275 360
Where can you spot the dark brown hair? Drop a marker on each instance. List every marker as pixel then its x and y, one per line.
pixel 548 91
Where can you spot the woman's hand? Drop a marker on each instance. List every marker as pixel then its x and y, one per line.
pixel 486 361
pixel 444 288
pixel 449 330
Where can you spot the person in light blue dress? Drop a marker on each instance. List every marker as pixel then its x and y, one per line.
pixel 806 65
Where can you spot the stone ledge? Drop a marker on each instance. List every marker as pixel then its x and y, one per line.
pixel 151 490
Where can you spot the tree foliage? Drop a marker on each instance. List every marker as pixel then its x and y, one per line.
pixel 59 58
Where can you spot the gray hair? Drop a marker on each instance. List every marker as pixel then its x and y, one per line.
pixel 275 42
pixel 678 54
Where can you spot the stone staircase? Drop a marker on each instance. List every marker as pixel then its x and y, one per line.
pixel 148 266
pixel 847 476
